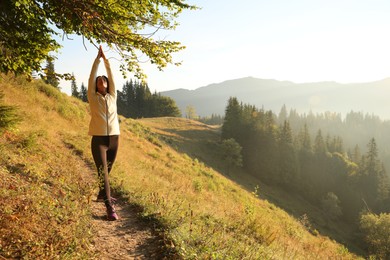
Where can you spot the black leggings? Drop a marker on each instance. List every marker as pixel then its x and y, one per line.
pixel 104 150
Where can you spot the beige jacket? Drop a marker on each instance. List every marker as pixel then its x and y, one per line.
pixel 104 117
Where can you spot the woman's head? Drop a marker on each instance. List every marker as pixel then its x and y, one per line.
pixel 102 84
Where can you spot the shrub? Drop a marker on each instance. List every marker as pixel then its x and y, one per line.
pixel 8 116
pixel 331 205
pixel 231 153
pixel 377 233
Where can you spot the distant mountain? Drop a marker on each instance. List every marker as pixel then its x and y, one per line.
pixel 370 97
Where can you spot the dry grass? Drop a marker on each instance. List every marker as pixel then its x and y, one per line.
pixel 205 214
pixel 43 191
pixel 202 214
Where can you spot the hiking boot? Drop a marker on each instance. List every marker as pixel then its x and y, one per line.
pixel 111 214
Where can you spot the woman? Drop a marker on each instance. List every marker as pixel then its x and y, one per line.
pixel 104 128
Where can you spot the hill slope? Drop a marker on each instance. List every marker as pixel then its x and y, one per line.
pixel 317 97
pixel 200 213
pixel 47 184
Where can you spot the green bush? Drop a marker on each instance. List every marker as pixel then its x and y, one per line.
pixel 331 205
pixel 377 233
pixel 8 116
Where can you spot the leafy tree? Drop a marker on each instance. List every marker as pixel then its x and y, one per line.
pixel 128 26
pixel 163 106
pixel 331 205
pixel 377 233
pixel 191 112
pixel 25 37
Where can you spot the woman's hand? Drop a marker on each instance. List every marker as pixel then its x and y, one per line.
pixel 101 53
pixel 103 56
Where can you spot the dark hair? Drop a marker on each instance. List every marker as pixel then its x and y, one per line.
pixel 108 83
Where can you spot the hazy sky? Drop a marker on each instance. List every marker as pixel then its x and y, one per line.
pixel 346 41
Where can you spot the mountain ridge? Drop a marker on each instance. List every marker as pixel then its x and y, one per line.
pixel 271 94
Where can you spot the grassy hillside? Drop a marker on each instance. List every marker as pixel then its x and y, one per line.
pixel 45 190
pixel 201 142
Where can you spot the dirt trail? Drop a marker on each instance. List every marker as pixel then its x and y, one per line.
pixel 127 238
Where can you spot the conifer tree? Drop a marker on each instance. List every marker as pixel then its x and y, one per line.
pixel 130 99
pixel 285 135
pixel 135 101
pixel 356 154
pixel 288 162
pixel 372 158
pixel 213 120
pixel 83 93
pixel 319 144
pixel 123 102
pixel 383 191
pixel 249 133
pixel 370 175
pixel 304 139
pixel 73 87
pixel 269 147
pixel 282 114
pixel 336 145
pixel 232 122
pixel 307 164
pixel 142 98
pixel 50 76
